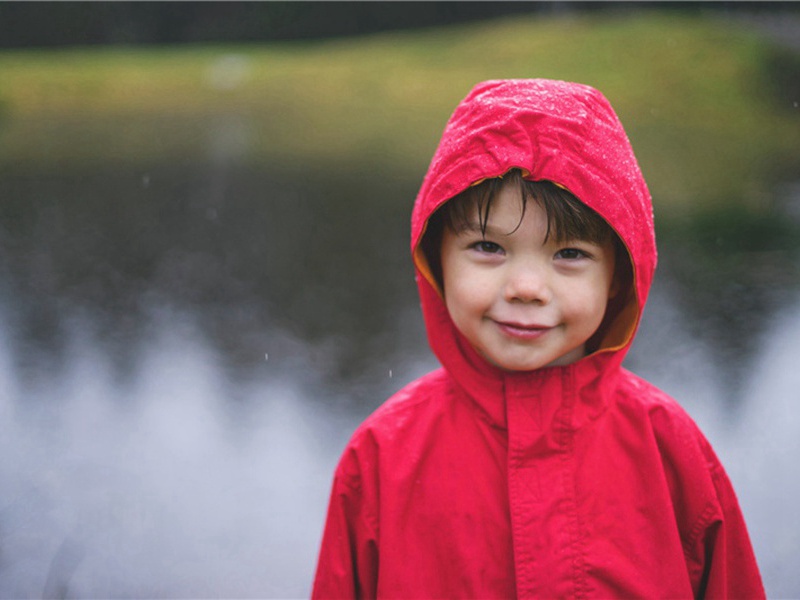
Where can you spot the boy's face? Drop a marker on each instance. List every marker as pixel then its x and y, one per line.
pixel 523 302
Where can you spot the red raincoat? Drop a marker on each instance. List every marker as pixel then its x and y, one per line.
pixel 581 481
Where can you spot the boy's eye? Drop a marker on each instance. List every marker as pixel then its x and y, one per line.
pixel 487 247
pixel 570 253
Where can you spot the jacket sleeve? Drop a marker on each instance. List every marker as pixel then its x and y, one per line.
pixel 727 567
pixel 348 560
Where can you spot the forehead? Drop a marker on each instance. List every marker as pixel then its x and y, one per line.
pixel 489 205
pixel 506 211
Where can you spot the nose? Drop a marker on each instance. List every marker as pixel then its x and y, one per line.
pixel 528 282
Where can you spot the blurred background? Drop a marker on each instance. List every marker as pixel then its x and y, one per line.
pixel 204 272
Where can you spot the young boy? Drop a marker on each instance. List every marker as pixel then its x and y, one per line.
pixel 532 464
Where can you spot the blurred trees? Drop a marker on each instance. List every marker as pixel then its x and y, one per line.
pixel 26 24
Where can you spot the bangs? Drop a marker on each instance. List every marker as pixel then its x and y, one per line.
pixel 567 217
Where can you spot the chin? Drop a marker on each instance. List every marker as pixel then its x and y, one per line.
pixel 519 365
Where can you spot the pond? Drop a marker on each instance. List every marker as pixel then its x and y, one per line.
pixel 185 350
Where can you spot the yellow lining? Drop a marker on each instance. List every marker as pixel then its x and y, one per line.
pixel 421 261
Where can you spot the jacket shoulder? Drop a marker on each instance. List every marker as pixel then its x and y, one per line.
pixel 664 414
pixel 395 424
pixel 675 431
pixel 693 470
pixel 428 393
pixel 716 544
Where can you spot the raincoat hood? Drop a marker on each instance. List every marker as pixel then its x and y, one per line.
pixel 566 133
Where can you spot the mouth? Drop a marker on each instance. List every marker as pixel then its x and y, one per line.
pixel 522 331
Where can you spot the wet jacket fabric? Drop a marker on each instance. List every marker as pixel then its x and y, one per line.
pixel 581 481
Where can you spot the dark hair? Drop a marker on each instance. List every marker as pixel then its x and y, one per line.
pixel 567 217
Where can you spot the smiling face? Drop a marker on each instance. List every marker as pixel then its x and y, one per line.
pixel 523 299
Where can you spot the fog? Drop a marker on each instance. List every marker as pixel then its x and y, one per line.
pixel 162 488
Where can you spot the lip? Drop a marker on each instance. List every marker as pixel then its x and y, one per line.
pixel 522 331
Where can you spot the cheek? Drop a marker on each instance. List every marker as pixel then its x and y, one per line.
pixel 587 303
pixel 460 298
pixel 466 293
pixel 597 303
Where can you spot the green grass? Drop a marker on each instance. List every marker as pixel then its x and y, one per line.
pixel 693 93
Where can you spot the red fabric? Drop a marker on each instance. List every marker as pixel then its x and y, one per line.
pixel 566 482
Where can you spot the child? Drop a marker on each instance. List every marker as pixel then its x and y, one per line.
pixel 533 465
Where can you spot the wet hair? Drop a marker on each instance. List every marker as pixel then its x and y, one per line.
pixel 567 217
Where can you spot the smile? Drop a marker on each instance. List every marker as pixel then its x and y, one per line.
pixel 522 331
